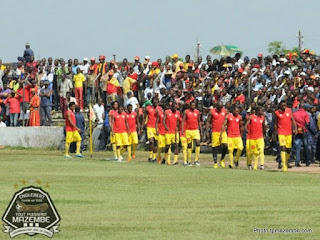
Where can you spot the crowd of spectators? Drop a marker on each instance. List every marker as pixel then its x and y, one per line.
pixel 31 90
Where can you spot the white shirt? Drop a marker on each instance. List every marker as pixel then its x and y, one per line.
pixel 146 91
pixel 134 102
pixel 85 68
pixel 99 111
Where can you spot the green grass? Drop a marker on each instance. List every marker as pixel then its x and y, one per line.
pixel 99 199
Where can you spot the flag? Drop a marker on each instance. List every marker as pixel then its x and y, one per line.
pixel 92 115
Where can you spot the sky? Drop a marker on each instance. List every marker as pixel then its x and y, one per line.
pixel 158 28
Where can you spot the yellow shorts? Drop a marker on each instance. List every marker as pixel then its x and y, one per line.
pixel 151 133
pixel 184 142
pixel 285 141
pixel 112 139
pixel 257 145
pixel 215 138
pixel 235 143
pixel 192 135
pixel 248 149
pixel 161 141
pixel 133 138
pixel 171 138
pixel 121 139
pixel 73 137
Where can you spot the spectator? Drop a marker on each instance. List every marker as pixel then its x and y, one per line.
pixel 34 119
pixel 65 87
pixel 79 84
pixel 14 108
pixel 28 53
pixel 133 101
pixel 45 106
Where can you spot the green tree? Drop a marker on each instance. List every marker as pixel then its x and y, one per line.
pixel 275 47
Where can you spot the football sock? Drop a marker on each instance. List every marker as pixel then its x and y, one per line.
pixel 175 158
pixel 189 154
pixel 197 153
pixel 224 150
pixel 129 152
pixel 114 149
pixel 67 148
pixel 78 147
pixel 150 154
pixel 283 160
pixel 184 153
pixel 238 155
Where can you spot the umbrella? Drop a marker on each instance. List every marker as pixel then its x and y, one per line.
pixel 227 50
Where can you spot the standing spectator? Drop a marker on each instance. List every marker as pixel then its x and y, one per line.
pixel 28 53
pixel 301 139
pixel 133 101
pixel 23 97
pixel 14 108
pixel 91 80
pixel 65 86
pixel 34 119
pixel 99 111
pixel 85 66
pixel 112 87
pixel 79 81
pixel 80 123
pixel 45 106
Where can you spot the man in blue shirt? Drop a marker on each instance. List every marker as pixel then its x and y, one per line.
pixel 80 123
pixel 105 132
pixel 28 53
pixel 45 105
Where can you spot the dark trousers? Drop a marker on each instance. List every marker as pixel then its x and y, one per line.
pixel 45 115
pixel 104 137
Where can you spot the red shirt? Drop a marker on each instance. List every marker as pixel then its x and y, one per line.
pixel 233 125
pixel 26 94
pixel 295 102
pixel 172 120
pixel 217 119
pixel 14 105
pixel 152 116
pixel 112 112
pixel 284 121
pixel 301 117
pixel 241 98
pixel 191 122
pixel 131 118
pixel 119 122
pixel 256 129
pixel 69 127
pixel 161 129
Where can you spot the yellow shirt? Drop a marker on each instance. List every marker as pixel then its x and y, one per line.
pixel 178 66
pixel 151 72
pixel 78 80
pixel 3 67
pixel 127 84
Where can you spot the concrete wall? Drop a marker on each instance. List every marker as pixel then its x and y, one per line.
pixel 35 137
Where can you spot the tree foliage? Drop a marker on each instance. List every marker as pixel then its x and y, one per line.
pixel 277 47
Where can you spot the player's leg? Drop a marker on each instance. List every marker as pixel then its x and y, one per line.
pixel 249 153
pixel 184 146
pixel 196 137
pixel 167 148
pixel 283 153
pixel 134 141
pixel 239 146
pixel 215 144
pixel 224 151
pixel 260 144
pixel 231 149
pixel 176 153
pixel 77 138
pixel 67 145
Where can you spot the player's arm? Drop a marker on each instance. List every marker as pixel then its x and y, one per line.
pixel 264 129
pixel 183 121
pixel 200 124
pixel 127 125
pixel 224 125
pixel 295 130
pixel 145 114
pixel 72 124
pixel 164 121
pixel 275 127
pixel 157 121
pixel 241 126
pixel 247 123
pixel 138 124
pixel 208 124
pixel 111 124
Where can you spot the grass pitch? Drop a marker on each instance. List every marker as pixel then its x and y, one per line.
pixel 99 199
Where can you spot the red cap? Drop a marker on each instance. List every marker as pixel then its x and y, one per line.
pixel 93 59
pixel 240 70
pixel 136 58
pixel 260 55
pixel 155 64
pixel 256 66
pixel 102 57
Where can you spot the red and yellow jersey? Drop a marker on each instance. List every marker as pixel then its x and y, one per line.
pixel 69 127
pixel 131 118
pixel 217 119
pixel 284 121
pixel 191 120
pixel 256 127
pixel 172 120
pixel 119 123
pixel 233 125
pixel 161 129
pixel 152 115
pixel 112 112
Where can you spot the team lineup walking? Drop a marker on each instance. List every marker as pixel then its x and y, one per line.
pixel 170 129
